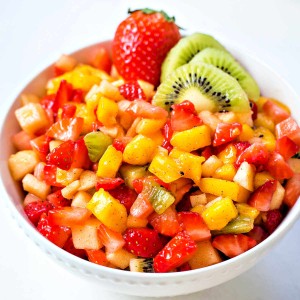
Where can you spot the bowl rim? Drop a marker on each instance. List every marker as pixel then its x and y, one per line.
pixel 89 267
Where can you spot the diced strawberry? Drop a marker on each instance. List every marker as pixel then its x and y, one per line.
pixel 233 244
pixel 112 240
pixel 68 111
pixel 77 96
pixel 273 219
pixel 21 140
pixel 30 198
pixel 289 128
pixel 132 90
pixel 178 251
pixel 167 132
pixel 97 257
pixel 69 247
pixel 50 175
pixel 68 216
pixel 141 207
pixel 292 191
pixel 41 146
pixel 57 199
pixel 261 198
pixel 47 101
pixel 96 125
pixel 226 133
pixel 254 109
pixel 185 203
pixel 184 267
pixel 278 167
pixel 108 183
pixel 143 242
pixel 34 210
pixel 101 60
pixel 56 234
pixel 207 152
pixel 194 225
pixel 138 184
pixel 241 147
pixel 63 95
pixel 39 171
pixel 275 112
pixel 165 223
pixel 125 195
pixel 286 147
pixel 62 156
pixel 81 157
pixel 258 234
pixel 120 143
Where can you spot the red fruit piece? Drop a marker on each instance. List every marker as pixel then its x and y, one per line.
pixel 69 247
pixel 184 116
pixel 125 195
pixel 184 267
pixel 254 109
pixel 41 146
pixel 97 257
pixel 143 242
pixel 286 147
pixel 68 111
pixel 207 152
pixel 167 132
pixel 289 128
pixel 57 199
pixel 62 96
pixel 101 60
pixel 56 234
pixel 132 90
pixel 141 207
pixel 112 240
pixel 233 244
pixel 77 96
pixel 273 219
pixel 140 54
pixel 178 251
pixel 108 183
pixel 120 143
pixel 261 198
pixel 292 191
pixel 278 167
pixel 258 234
pixel 194 225
pixel 138 183
pixel 21 140
pixel 275 112
pixel 226 133
pixel 62 156
pixel 50 175
pixel 81 157
pixel 241 147
pixel 34 210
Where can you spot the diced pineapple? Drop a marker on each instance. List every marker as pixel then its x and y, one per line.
pixel 53 144
pixel 211 165
pixel 86 236
pixel 70 190
pixel 87 180
pixel 66 177
pixel 226 172
pixel 22 163
pixel 245 176
pixel 107 111
pixel 228 155
pixel 110 91
pixel 120 258
pixel 29 98
pixel 36 187
pixel 32 117
pixel 198 208
pixel 81 199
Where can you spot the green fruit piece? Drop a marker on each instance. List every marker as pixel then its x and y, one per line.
pixel 185 50
pixel 129 173
pixel 207 87
pixel 144 265
pixel 96 143
pixel 226 62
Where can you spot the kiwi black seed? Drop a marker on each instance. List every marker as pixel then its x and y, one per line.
pixel 185 50
pixel 226 62
pixel 206 86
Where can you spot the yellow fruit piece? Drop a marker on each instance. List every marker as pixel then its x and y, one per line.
pixel 66 177
pixel 88 116
pixel 107 111
pixel 192 139
pixel 246 134
pixel 93 100
pixel 165 168
pixel 219 214
pixel 226 172
pixel 211 165
pixel 157 137
pixel 120 258
pixel 147 88
pixel 81 77
pixel 198 209
pixel 190 164
pixel 108 210
pixel 261 178
pixel 224 188
pixel 110 162
pixel 260 103
pixel 264 121
pixel 228 155
pixel 246 210
pixel 134 222
pixel 139 151
pixel 266 137
pixel 109 90
pixel 149 126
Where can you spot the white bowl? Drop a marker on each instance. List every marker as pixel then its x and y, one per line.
pixel 145 284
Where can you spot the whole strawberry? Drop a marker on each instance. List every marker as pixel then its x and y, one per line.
pixel 141 44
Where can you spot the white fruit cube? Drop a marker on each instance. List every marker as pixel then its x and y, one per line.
pixel 120 258
pixel 66 177
pixel 32 117
pixel 245 176
pixel 70 190
pixel 211 165
pixel 36 187
pixel 87 180
pixel 277 197
pixel 80 199
pixel 22 163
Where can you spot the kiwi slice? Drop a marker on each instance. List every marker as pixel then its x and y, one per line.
pixel 144 265
pixel 208 87
pixel 226 62
pixel 185 50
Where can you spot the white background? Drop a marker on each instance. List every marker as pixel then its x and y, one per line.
pixel 35 33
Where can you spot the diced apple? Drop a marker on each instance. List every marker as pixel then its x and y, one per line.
pixel 210 120
pixel 198 198
pixel 261 178
pixel 277 197
pixel 80 199
pixel 134 222
pixel 294 164
pixel 227 117
pixel 66 177
pixel 120 258
pixel 147 88
pixel 70 190
pixel 87 180
pixel 245 176
pixel 110 91
pixel 86 236
pixel 211 165
pixel 32 117
pixel 53 144
pixel 22 163
pixel 36 187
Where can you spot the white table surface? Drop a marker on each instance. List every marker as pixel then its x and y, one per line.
pixel 35 33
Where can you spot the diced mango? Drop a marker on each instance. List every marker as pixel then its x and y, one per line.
pixel 107 111
pixel 265 136
pixel 211 165
pixel 108 210
pixel 219 213
pixel 224 188
pixel 200 208
pixel 263 120
pixel 192 139
pixel 139 151
pixel 228 155
pixel 88 116
pixel 226 172
pixel 261 178
pixel 110 162
pixel 149 126
pixel 246 134
pixel 109 90
pixel 147 88
pixel 157 137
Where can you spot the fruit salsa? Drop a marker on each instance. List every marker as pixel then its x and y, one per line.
pixel 160 155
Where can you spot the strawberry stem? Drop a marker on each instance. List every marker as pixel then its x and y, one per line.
pixel 149 11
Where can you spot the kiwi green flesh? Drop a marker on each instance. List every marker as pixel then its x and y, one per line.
pixel 226 62
pixel 185 50
pixel 206 86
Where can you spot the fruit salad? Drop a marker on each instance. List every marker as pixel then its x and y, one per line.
pixel 159 155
